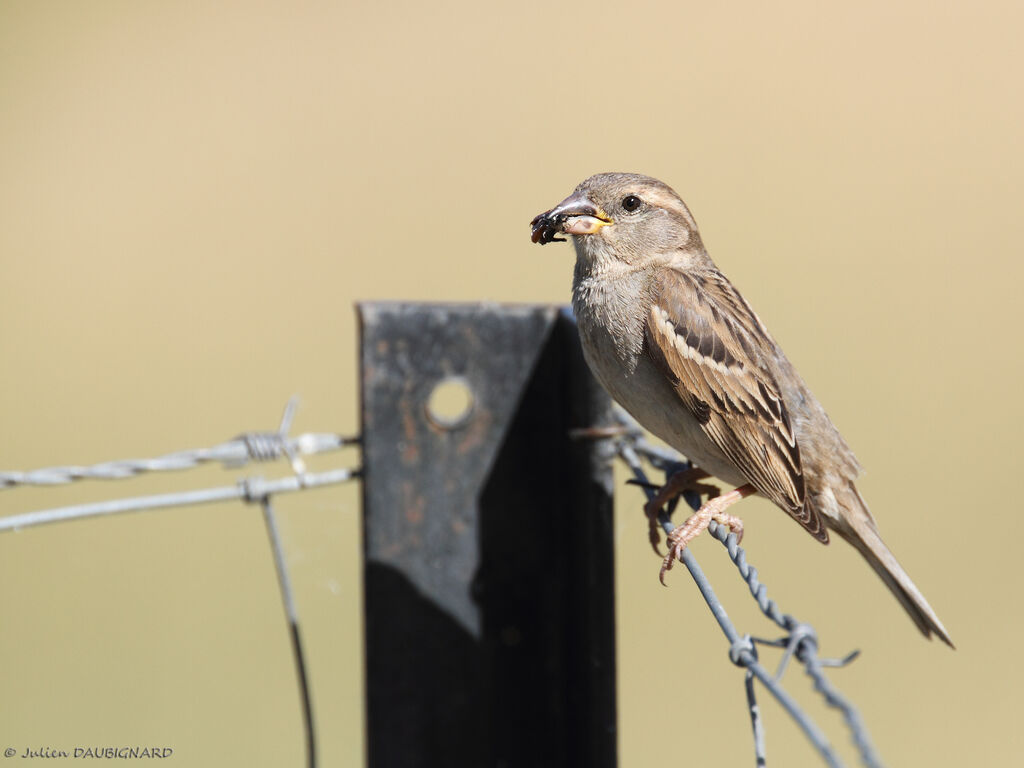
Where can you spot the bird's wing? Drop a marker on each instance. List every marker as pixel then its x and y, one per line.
pixel 709 343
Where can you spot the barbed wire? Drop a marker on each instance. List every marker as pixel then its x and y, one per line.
pixel 235 453
pixel 800 641
pixel 247 447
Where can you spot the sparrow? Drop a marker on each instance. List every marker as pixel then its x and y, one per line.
pixel 673 341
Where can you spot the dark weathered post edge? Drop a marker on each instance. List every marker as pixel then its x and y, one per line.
pixel 489 581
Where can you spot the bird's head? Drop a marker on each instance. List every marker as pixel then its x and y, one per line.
pixel 626 216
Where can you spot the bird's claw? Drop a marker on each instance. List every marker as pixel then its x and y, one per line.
pixel 696 524
pixel 669 493
pixel 675 551
pixel 652 511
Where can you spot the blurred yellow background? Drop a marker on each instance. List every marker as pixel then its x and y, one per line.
pixel 192 198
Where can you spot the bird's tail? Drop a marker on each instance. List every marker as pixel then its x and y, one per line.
pixel 859 529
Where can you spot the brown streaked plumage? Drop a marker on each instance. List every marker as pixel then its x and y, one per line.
pixel 709 344
pixel 676 344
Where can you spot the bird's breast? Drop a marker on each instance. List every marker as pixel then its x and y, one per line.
pixel 613 345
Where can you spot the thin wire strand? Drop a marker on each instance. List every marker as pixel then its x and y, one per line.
pixel 292 614
pixel 246 489
pixel 756 723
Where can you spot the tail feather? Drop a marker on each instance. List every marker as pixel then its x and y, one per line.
pixel 860 531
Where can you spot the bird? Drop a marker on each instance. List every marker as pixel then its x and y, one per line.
pixel 675 344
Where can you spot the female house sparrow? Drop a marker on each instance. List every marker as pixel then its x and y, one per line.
pixel 673 342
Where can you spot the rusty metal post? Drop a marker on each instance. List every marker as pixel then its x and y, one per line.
pixel 489 586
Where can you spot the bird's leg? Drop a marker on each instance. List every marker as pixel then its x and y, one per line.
pixel 697 522
pixel 677 482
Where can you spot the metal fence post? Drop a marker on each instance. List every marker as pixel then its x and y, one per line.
pixel 489 584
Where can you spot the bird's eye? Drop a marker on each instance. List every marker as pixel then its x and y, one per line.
pixel 631 202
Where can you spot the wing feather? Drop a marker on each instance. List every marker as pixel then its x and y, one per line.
pixel 710 344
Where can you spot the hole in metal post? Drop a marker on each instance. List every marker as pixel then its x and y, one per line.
pixel 450 403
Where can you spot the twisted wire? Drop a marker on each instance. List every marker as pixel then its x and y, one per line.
pixel 251 446
pixel 800 641
pixel 749 573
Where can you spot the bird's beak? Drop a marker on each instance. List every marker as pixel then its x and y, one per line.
pixel 575 215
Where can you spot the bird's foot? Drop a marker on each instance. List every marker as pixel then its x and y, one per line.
pixel 698 522
pixel 677 483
